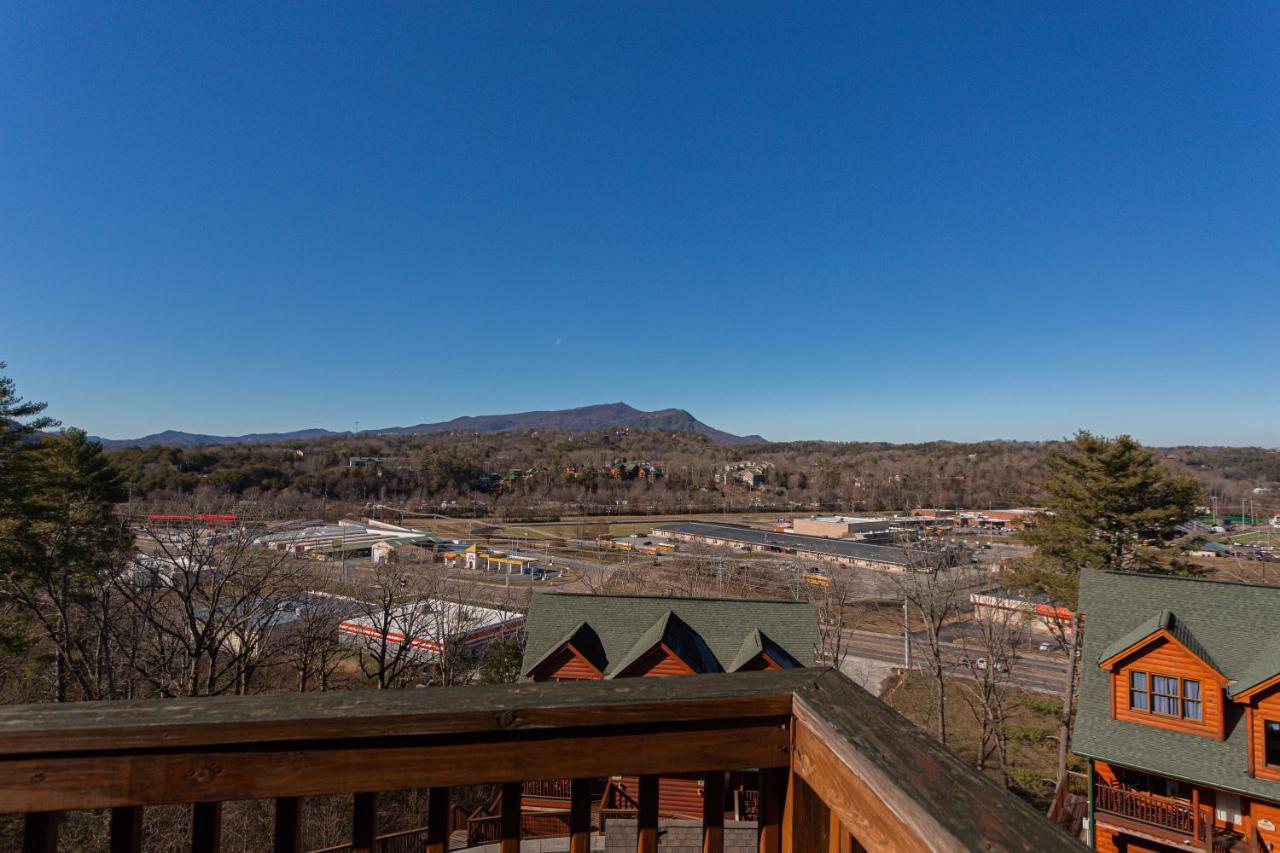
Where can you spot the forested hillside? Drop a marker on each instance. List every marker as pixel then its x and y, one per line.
pixel 558 470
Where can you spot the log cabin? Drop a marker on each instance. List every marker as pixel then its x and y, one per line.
pixel 574 637
pixel 1179 715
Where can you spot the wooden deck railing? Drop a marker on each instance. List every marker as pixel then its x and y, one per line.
pixel 1167 813
pixel 839 770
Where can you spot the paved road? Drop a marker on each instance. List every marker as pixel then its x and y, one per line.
pixel 1042 673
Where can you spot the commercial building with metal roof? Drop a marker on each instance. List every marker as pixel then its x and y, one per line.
pixel 841 551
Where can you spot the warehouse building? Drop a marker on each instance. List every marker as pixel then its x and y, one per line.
pixel 841 552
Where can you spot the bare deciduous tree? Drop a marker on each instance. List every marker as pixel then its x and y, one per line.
pixel 213 603
pixel 991 649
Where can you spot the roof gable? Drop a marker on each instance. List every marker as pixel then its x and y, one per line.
pixel 583 640
pixel 1261 673
pixel 1164 625
pixel 675 634
pixel 620 621
pixel 758 643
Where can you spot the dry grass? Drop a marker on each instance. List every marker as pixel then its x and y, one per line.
pixel 1032 730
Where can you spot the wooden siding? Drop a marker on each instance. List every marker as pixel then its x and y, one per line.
pixel 657 662
pixel 566 665
pixel 676 797
pixel 1266 811
pixel 1107 840
pixel 1163 657
pixel 1265 706
pixel 759 663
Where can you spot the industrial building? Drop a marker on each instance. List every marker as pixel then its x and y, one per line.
pixel 348 538
pixel 431 624
pixel 842 552
pixel 855 527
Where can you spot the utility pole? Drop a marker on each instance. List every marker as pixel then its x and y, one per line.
pixel 906 637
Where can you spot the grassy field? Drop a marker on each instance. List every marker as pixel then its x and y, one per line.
pixel 1033 743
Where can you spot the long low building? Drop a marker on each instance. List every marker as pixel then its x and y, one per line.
pixel 842 552
pixel 428 626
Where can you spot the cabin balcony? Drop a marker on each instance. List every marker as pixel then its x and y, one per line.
pixel 839 771
pixel 1169 820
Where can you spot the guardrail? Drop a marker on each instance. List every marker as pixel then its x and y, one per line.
pixel 838 769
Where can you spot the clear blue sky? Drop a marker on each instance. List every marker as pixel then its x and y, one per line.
pixel 891 222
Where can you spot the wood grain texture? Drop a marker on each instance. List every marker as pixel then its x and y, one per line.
pixel 130 778
pixel 890 780
pixel 82 727
pixel 773 793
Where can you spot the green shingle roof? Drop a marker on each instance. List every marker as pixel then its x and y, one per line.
pixel 584 639
pixel 708 633
pixel 1165 620
pixel 756 643
pixel 1225 623
pixel 679 637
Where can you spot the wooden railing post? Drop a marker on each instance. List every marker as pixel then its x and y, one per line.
pixel 580 816
pixel 773 792
pixel 509 832
pixel 126 829
pixel 40 832
pixel 806 820
pixel 438 825
pixel 364 823
pixel 713 812
pixel 206 827
pixel 288 826
pixel 647 816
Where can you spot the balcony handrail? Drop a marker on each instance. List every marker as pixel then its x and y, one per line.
pixel 1166 812
pixel 886 781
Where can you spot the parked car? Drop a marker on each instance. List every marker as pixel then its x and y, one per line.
pixel 1050 646
pixel 982 664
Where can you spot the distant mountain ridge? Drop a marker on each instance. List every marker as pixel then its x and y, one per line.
pixel 582 419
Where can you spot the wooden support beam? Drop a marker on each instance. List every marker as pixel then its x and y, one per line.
pixel 806 820
pixel 713 812
pixel 288 830
pixel 126 830
pixel 206 827
pixel 438 821
pixel 364 822
pixel 773 792
pixel 509 833
pixel 580 816
pixel 40 832
pixel 647 816
pixel 839 839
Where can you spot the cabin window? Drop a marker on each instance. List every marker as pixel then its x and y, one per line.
pixel 1138 691
pixel 1271 737
pixel 1166 695
pixel 1191 708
